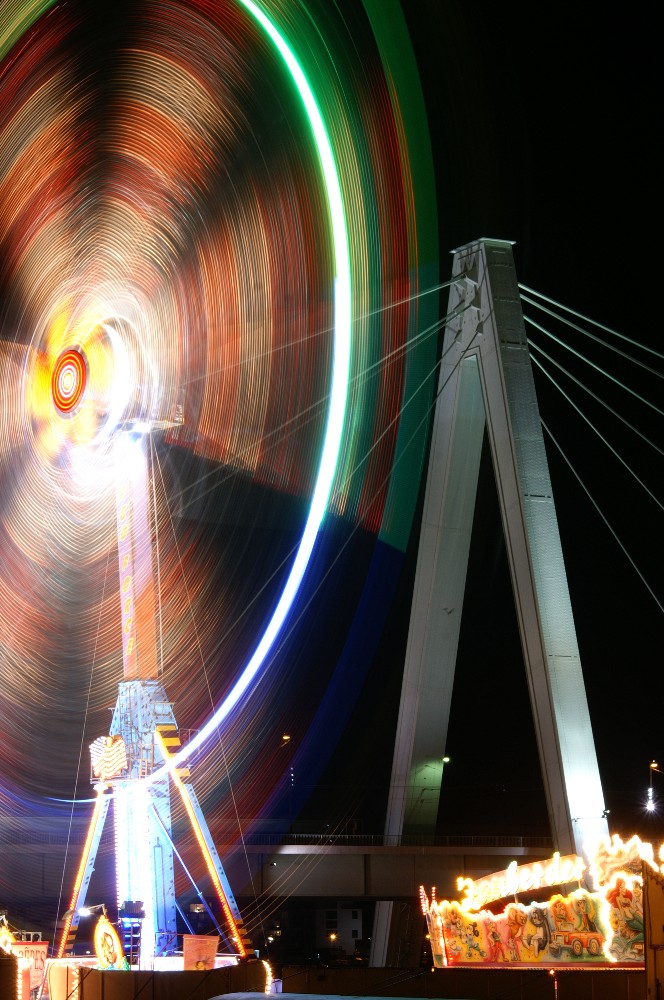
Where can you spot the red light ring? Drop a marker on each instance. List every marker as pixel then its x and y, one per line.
pixel 68 380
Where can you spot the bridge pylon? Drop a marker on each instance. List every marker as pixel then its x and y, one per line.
pixel 486 384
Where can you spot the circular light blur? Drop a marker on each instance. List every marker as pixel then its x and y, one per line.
pixel 68 380
pixel 213 206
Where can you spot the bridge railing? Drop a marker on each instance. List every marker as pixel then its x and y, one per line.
pixel 257 839
pixel 54 834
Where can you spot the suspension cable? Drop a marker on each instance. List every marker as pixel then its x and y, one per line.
pixel 596 367
pixel 599 434
pixel 586 319
pixel 606 522
pixel 532 345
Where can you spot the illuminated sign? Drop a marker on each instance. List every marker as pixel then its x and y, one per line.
pixel 137 608
pixel 199 951
pixel 523 878
pixel 126 565
pixel 30 957
pixel 35 954
pixel 108 948
pixel 109 757
pixel 593 926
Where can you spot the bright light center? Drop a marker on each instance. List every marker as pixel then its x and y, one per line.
pixel 68 380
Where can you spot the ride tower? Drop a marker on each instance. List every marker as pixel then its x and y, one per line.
pixel 132 766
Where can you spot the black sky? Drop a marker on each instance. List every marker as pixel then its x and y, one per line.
pixel 543 125
pixel 557 119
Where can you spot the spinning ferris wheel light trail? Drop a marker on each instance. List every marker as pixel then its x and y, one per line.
pixel 207 247
pixel 105 393
pixel 143 714
pixel 133 763
pixel 143 731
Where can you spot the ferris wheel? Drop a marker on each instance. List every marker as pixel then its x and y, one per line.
pixel 193 278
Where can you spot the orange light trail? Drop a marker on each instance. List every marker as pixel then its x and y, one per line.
pixel 236 934
pixel 99 804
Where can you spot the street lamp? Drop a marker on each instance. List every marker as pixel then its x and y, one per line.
pixel 650 802
pixel 87 911
pixel 286 742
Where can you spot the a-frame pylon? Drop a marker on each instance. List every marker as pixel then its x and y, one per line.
pixel 486 380
pixel 134 764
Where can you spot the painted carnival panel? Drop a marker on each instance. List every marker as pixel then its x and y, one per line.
pixel 598 921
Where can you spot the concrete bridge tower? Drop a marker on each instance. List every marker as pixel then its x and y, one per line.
pixel 486 382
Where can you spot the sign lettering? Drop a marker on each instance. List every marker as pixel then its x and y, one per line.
pixel 520 878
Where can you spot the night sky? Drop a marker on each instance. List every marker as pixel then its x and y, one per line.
pixel 543 128
pixel 555 150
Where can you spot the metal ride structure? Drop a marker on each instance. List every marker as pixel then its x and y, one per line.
pixel 133 764
pixel 201 282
